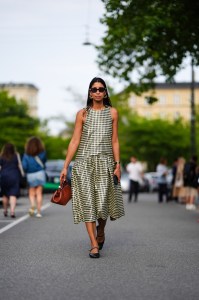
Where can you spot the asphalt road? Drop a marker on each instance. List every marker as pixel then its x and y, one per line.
pixel 152 253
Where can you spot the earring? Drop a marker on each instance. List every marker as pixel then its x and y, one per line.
pixel 105 96
pixel 90 97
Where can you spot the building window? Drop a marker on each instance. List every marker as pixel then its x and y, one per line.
pixel 176 115
pixel 18 98
pixel 147 114
pixel 162 100
pixel 146 102
pixel 132 101
pixel 162 115
pixel 32 101
pixel 176 99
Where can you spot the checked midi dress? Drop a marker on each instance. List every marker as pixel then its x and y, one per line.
pixel 94 194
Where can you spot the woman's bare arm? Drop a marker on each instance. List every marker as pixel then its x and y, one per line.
pixel 74 143
pixel 115 142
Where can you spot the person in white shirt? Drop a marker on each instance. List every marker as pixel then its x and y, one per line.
pixel 135 170
pixel 162 171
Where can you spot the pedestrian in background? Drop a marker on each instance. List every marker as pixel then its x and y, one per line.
pixel 197 184
pixel 173 173
pixel 135 170
pixel 162 172
pixel 178 192
pixel 190 182
pixel 10 178
pixel 33 163
pixel 95 194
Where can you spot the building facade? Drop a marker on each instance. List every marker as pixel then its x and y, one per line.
pixel 173 101
pixel 23 92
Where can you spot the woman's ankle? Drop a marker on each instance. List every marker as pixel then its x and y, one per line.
pixel 94 249
pixel 100 231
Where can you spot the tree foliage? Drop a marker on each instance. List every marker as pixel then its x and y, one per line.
pixel 17 126
pixel 56 146
pixel 150 139
pixel 15 123
pixel 149 37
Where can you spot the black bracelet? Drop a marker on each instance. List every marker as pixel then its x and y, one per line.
pixel 117 162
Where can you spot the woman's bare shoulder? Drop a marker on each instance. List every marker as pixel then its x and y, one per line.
pixel 81 115
pixel 114 112
pixel 81 112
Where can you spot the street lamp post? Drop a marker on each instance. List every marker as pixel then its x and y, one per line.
pixel 193 113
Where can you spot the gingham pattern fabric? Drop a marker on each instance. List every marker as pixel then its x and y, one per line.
pixel 94 194
pixel 97 134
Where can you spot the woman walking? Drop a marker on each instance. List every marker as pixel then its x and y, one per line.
pixel 34 164
pixel 10 178
pixel 96 172
pixel 179 192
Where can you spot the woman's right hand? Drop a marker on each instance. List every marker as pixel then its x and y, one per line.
pixel 63 175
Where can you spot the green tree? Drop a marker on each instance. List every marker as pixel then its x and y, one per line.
pixel 149 139
pixel 15 123
pixel 56 146
pixel 148 37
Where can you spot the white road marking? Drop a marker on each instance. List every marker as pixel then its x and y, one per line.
pixel 6 221
pixel 21 219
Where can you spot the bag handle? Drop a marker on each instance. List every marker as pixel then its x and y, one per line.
pixel 20 165
pixel 63 183
pixel 38 160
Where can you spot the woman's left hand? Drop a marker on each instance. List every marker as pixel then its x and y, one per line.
pixel 117 172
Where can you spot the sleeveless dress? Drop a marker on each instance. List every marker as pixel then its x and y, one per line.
pixel 94 194
pixel 10 177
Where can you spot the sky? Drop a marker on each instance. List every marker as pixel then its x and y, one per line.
pixel 42 44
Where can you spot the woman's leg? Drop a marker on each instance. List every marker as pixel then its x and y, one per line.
pixel 160 193
pixel 32 196
pixel 136 190
pixel 39 198
pixel 100 231
pixel 91 229
pixel 5 205
pixel 193 197
pixel 13 201
pixel 130 190
pixel 31 193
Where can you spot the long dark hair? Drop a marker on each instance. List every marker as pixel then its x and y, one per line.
pixel 106 100
pixel 8 151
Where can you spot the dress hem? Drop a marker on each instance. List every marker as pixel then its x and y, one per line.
pixel 111 218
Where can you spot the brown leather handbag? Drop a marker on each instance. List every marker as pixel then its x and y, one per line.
pixel 63 194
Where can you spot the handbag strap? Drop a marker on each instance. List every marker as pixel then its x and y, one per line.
pixel 38 160
pixel 20 165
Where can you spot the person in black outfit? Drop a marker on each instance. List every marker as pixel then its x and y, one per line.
pixel 162 172
pixel 189 177
pixel 174 170
pixel 135 170
pixel 10 178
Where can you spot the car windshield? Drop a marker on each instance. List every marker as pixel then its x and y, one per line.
pixel 55 166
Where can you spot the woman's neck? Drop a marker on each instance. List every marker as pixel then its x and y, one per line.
pixel 98 106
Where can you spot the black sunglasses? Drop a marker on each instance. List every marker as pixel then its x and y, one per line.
pixel 94 90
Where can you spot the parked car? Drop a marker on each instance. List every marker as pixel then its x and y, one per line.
pixel 153 180
pixel 125 184
pixel 124 181
pixel 169 178
pixel 53 170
